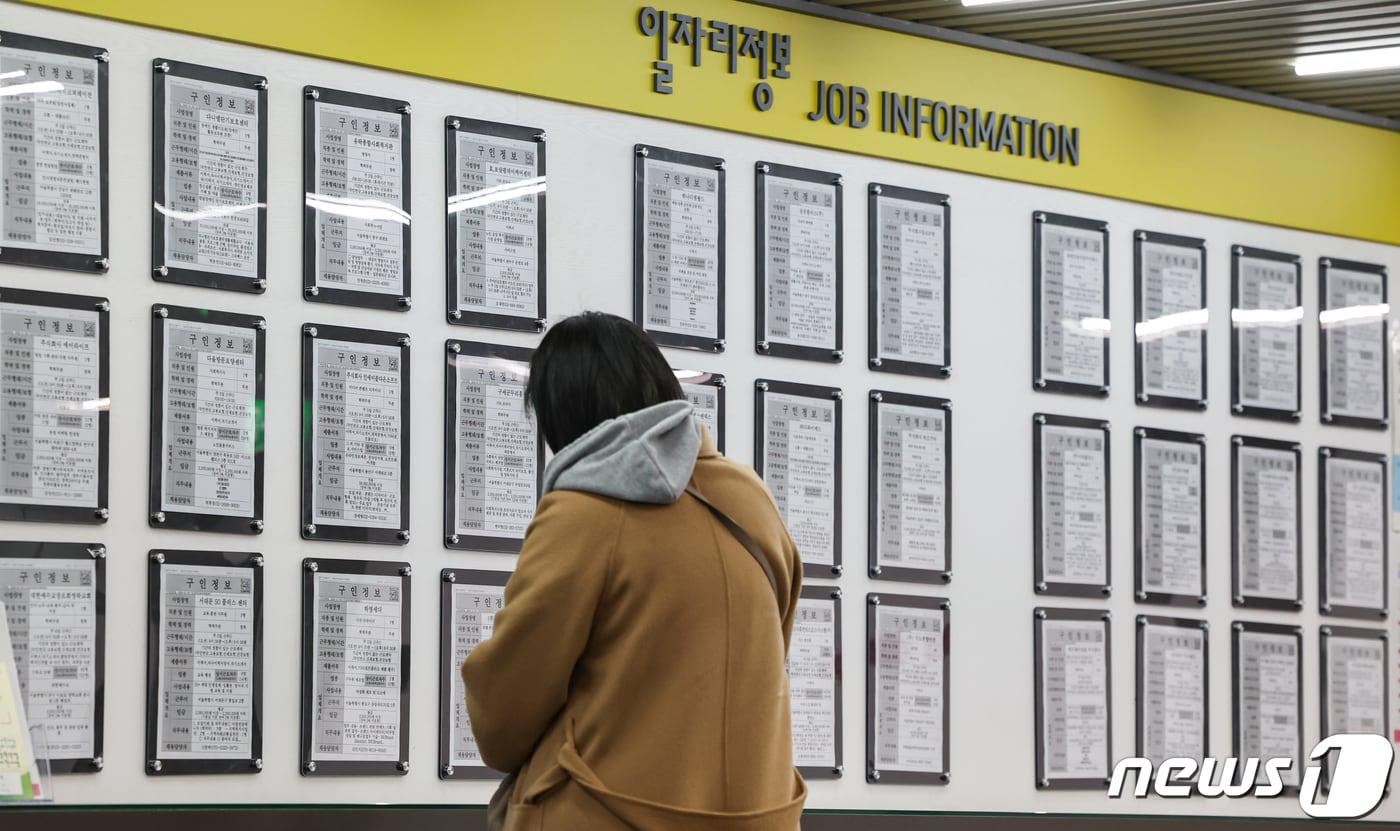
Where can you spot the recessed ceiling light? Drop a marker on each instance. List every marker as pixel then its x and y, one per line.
pixel 1354 61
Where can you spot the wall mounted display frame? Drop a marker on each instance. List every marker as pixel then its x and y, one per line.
pixel 1263 513
pixel 1241 665
pixel 1342 650
pixel 329 625
pixel 1163 675
pixel 48 345
pixel 1072 435
pixel 44 575
pixel 1353 569
pixel 678 202
pixel 460 629
pixel 1266 384
pixel 1171 314
pixel 212 580
pixel 1169 517
pixel 495 204
pixel 498 400
pixel 217 354
pixel 1354 360
pixel 911 444
pixel 380 203
pixel 705 391
pixel 814 523
pixel 909 231
pixel 73 217
pixel 370 448
pixel 1089 628
pixel 922 625
pixel 778 186
pixel 820 612
pixel 208 177
pixel 1063 360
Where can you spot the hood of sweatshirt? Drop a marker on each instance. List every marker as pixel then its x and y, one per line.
pixel 646 456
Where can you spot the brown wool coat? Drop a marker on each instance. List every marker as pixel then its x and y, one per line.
pixel 635 676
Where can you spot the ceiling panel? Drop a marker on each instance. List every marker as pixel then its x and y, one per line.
pixel 1249 44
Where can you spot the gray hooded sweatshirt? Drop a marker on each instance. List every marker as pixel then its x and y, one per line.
pixel 646 456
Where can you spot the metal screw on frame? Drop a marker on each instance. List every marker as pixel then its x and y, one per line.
pixel 104 56
pixel 403 766
pixel 161 311
pixel 158 557
pixel 313 566
pixel 763 168
pixel 101 263
pixel 309 767
pixel 258 561
pixel 309 331
pixel 455 124
pixel 163 271
pixel 103 513
pixel 838 354
pixel 454 348
pixel 261 83
pixel 405 302
pixel 256 525
pixel 643 152
pixel 309 529
pixel 449 577
pixel 260 284
pixel 719 345
pixel 762 386
pixel 406 571
pixel 406 109
pixel 98 762
pixel 405 341
pixel 158 517
pixel 162 67
pixel 154 765
pixel 404 535
pixel 453 539
pixel 98 552
pixel 448 770
pixel 875 775
pixel 257 764
pixel 314 95
pixel 455 314
pixel 312 291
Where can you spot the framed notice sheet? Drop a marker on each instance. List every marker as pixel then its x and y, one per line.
pixel 1352 541
pixel 1266 326
pixel 1069 261
pixel 678 248
pixel 354 667
pixel 797 452
pixel 705 391
pixel 1073 699
pixel 906 690
pixel 204 662
pixel 1169 517
pixel 1355 697
pixel 470 601
pixel 1171 317
pixel 55 600
pixel 207 403
pixel 1266 523
pixel 54 423
pixel 495 458
pixel 209 177
pixel 797 261
pixel 1267 670
pixel 357 223
pixel 354 437
pixel 814 677
pixel 1173 688
pixel 1352 314
pixel 495 225
pixel 910 311
pixel 911 467
pixel 1072 530
pixel 53 162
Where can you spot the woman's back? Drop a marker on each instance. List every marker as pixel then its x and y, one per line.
pixel 636 673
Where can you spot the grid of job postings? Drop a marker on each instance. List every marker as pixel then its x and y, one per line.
pixel 52 198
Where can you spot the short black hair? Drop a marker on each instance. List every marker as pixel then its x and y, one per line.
pixel 591 367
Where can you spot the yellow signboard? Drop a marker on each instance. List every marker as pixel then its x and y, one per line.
pixel 854 88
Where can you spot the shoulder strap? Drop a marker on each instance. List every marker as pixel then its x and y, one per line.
pixel 743 537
